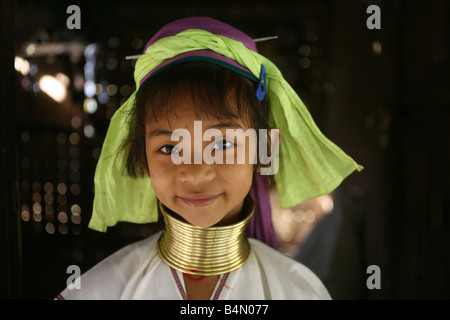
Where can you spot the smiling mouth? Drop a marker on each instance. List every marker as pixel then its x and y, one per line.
pixel 200 201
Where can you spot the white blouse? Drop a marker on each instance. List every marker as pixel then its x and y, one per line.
pixel 137 272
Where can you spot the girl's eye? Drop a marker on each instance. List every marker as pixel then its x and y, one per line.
pixel 168 149
pixel 222 144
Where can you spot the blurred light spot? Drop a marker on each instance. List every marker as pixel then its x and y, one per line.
pixel 48 198
pixel 21 65
pixel 75 209
pixel 304 50
pixel 310 216
pixel 99 87
pixel 37 217
pixel 61 138
pixel 75 122
pixel 287 235
pixel 111 63
pixel 26 83
pixel 74 138
pixel 90 50
pixel 33 70
pixel 103 98
pixel 377 47
pixel 36 87
pixel 78 82
pixel 90 105
pixel 75 189
pixel 62 188
pixel 63 229
pixel 62 217
pixel 37 197
pixel 74 165
pixel 62 199
pixel 50 228
pixel 64 79
pixel 304 63
pixel 53 88
pixel 75 219
pixel 287 216
pixel 48 187
pixel 125 90
pixel 89 70
pixel 89 88
pixel 30 49
pixel 37 208
pixel 111 89
pixel 137 43
pixel 326 203
pixel 89 131
pixel 25 214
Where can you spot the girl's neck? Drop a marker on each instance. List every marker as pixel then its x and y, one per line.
pixel 205 251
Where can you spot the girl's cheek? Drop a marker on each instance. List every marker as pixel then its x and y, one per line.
pixel 160 167
pixel 245 154
pixel 235 173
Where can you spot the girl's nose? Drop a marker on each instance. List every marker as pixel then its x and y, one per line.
pixel 196 173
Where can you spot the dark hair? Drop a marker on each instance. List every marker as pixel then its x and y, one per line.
pixel 209 85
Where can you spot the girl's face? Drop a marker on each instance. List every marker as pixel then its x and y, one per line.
pixel 202 194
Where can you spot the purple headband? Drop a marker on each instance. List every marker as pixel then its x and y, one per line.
pixel 207 24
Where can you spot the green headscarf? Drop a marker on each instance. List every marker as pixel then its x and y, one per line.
pixel 310 165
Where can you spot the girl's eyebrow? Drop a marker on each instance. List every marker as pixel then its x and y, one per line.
pixel 160 132
pixel 225 125
pixel 163 132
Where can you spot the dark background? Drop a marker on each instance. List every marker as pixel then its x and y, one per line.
pixel 382 95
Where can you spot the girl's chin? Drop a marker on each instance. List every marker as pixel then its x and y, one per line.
pixel 204 220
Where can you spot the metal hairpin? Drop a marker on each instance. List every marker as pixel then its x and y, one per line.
pixel 136 56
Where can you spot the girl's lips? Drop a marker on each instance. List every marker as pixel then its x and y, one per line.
pixel 200 201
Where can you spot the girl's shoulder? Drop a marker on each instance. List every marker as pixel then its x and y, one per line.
pixel 129 255
pixel 96 283
pixel 282 271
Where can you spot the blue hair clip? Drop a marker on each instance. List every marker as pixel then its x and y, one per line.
pixel 261 91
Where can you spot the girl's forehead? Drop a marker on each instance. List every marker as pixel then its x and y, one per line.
pixel 182 109
pixel 188 118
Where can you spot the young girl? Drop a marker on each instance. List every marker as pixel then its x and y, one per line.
pixel 198 80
